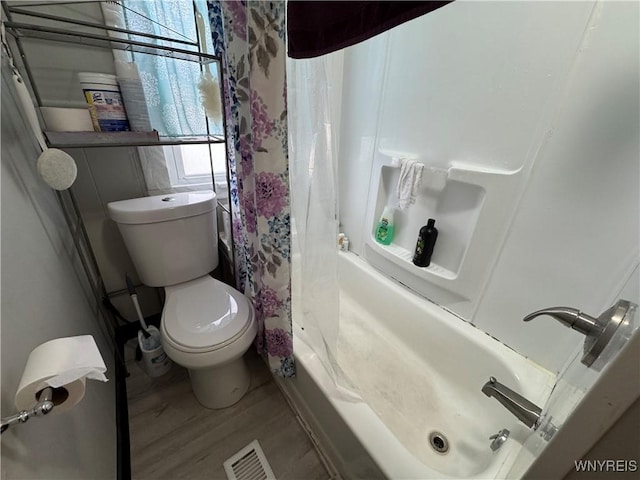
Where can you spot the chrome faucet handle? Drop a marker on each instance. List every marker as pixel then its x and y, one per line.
pixel 570 317
pixel 503 432
pixel 597 330
pixel 498 439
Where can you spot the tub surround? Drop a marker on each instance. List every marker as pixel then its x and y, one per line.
pixel 510 93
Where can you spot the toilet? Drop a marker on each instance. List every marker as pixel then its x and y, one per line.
pixel 206 325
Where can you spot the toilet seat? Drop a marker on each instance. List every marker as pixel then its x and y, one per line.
pixel 204 315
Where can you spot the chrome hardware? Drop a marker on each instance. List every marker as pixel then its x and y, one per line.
pixel 547 428
pixel 44 406
pixel 498 439
pixel 598 331
pixel 523 409
pixel 439 442
pixel 168 199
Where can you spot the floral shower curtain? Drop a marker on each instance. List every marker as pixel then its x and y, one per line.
pixel 249 36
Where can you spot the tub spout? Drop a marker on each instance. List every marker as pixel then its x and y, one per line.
pixel 523 409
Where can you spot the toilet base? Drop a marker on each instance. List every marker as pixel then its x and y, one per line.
pixel 221 386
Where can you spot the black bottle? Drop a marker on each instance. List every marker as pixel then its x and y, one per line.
pixel 426 241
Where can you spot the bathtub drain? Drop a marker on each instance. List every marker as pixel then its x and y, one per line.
pixel 439 442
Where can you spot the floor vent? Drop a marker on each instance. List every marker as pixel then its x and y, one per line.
pixel 249 464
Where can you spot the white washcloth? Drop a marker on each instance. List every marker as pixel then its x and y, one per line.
pixel 409 182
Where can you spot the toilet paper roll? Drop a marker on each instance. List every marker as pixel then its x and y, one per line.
pixel 64 364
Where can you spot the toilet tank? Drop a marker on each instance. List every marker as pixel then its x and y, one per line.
pixel 171 238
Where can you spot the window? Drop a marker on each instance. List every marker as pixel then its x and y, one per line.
pixel 191 165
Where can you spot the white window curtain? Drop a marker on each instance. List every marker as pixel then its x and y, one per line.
pixel 170 86
pixel 171 90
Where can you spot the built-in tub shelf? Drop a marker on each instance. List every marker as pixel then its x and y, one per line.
pixel 471 204
pixel 397 253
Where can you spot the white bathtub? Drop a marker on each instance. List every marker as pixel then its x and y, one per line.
pixel 417 369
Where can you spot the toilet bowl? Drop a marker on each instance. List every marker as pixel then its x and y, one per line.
pixel 206 325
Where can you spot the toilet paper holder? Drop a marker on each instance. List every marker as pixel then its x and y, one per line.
pixel 44 405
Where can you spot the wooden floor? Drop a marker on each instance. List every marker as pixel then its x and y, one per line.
pixel 173 436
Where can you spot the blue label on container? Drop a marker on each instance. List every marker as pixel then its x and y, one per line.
pixel 108 109
pixel 113 125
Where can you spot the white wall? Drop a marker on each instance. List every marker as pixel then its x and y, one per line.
pixel 44 296
pixel 546 89
pixel 107 175
pixel 363 77
pixel 56 64
pixel 575 238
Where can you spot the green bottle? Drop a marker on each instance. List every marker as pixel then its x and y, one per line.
pixel 384 230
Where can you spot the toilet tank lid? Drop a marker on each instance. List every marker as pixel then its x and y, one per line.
pixel 160 208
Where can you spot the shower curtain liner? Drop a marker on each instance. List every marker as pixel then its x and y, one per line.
pixel 312 88
pixel 249 37
pixel 314 208
pixel 316 31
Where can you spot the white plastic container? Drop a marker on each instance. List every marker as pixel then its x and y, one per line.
pixel 58 119
pixel 133 96
pixel 156 361
pixel 102 93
